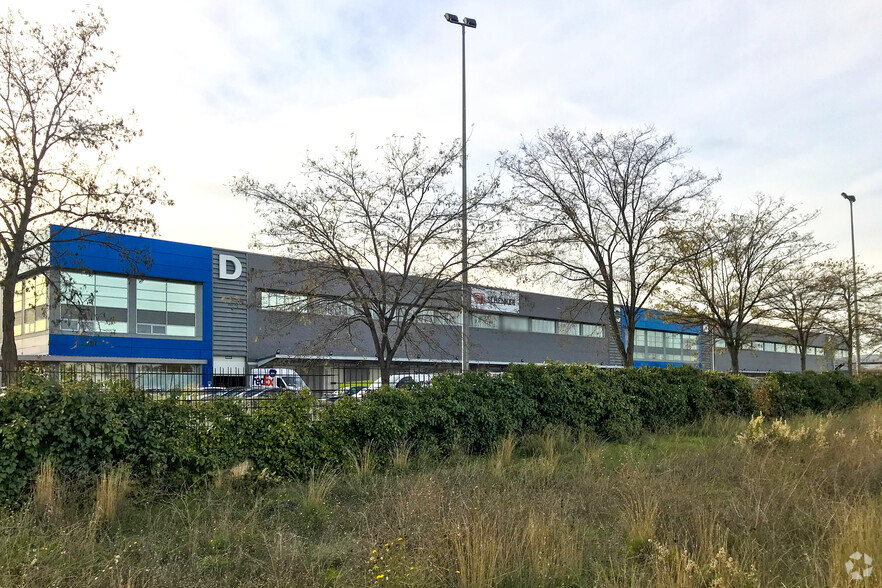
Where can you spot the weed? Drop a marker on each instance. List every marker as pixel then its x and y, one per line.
pixel 319 485
pixel 112 490
pixel 639 515
pixel 401 454
pixel 363 461
pixel 500 459
pixel 45 488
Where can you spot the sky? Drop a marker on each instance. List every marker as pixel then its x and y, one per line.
pixel 782 97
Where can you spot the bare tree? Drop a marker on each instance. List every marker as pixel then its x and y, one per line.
pixel 606 210
pixel 380 248
pixel 57 165
pixel 799 300
pixel 836 278
pixel 731 284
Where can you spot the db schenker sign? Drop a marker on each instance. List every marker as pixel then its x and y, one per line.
pixel 495 300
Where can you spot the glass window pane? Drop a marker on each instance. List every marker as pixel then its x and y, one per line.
pixel 181 288
pixel 185 298
pixel 640 337
pixel 485 321
pixel 111 301
pixel 541 326
pixel 151 285
pixel 181 318
pixel 112 327
pixel 151 295
pixel 180 331
pixel 516 323
pixel 111 281
pixel 570 329
pixel 151 305
pixel 592 330
pixel 176 307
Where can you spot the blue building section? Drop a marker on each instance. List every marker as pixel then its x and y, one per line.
pixel 652 320
pixel 74 249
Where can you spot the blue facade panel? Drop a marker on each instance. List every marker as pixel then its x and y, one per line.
pixel 137 257
pixel 654 321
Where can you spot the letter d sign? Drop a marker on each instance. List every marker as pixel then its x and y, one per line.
pixel 224 267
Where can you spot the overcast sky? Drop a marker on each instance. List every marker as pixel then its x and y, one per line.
pixel 783 97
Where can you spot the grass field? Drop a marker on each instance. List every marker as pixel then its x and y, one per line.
pixel 782 506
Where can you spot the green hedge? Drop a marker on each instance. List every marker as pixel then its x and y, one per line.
pixel 84 428
pixel 800 393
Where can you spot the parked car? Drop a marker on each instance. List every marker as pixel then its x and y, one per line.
pixel 260 393
pixel 396 381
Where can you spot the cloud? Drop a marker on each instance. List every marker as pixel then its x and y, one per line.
pixel 780 97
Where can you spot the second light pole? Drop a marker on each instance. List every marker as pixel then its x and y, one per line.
pixel 857 333
pixel 466 297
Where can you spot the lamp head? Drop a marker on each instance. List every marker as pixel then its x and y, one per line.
pixel 470 22
pixel 451 18
pixel 848 197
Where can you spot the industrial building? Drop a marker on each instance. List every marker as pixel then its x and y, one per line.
pixel 175 310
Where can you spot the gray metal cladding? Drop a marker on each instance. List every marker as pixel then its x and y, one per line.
pixel 229 310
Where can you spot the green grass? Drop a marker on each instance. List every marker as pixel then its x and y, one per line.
pixel 687 508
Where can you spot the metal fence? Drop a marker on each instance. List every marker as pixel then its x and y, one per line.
pixel 193 384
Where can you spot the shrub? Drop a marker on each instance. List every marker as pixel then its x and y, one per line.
pixel 802 392
pixel 84 429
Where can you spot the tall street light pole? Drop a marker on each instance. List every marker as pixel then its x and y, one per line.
pixel 465 297
pixel 857 338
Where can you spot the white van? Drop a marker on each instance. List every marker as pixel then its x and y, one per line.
pixel 397 381
pixel 284 378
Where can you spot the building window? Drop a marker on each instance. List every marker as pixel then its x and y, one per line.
pixel 542 326
pixel 690 348
pixel 29 304
pixel 94 303
pixel 436 316
pixel 485 321
pixel 570 329
pixel 166 308
pixel 323 305
pixel 720 344
pixel 96 372
pixel 673 347
pixel 164 377
pixel 665 346
pixel 282 301
pixel 519 324
pixel 331 307
pixel 592 330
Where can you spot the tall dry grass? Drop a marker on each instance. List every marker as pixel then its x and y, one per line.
pixel 319 485
pixel 479 546
pixel 500 458
pixel 401 453
pixel 46 488
pixel 857 540
pixel 363 461
pixel 110 493
pixel 692 508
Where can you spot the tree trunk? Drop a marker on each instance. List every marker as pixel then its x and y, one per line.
pixel 802 359
pixel 385 371
pixel 733 356
pixel 628 356
pixel 8 350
